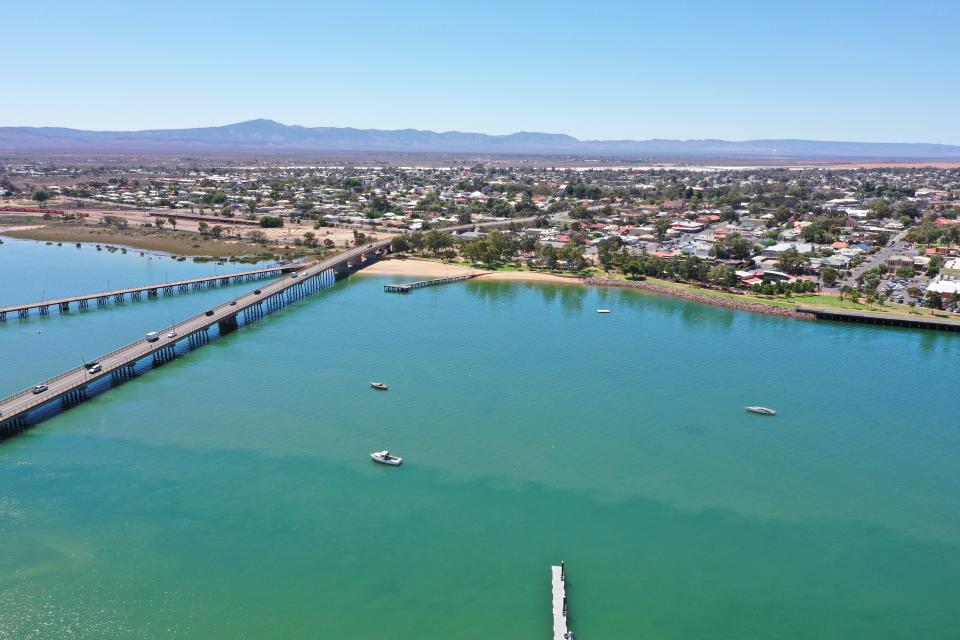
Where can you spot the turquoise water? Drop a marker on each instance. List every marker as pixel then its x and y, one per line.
pixel 229 493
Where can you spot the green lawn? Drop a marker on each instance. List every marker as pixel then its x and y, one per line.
pixel 783 302
pixel 803 300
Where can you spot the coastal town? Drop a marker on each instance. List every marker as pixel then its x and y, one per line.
pixel 868 236
pixel 518 320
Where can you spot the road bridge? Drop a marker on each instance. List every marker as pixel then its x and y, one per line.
pixel 25 408
pixel 21 410
pixel 104 298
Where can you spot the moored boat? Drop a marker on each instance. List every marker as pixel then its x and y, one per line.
pixel 379 385
pixel 603 310
pixel 764 411
pixel 384 457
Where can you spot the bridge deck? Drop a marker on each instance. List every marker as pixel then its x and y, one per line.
pixel 255 273
pixel 19 404
pixel 15 409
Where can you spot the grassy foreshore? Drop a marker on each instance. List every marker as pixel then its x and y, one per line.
pixel 740 303
pixel 181 243
pixel 766 304
pixel 745 301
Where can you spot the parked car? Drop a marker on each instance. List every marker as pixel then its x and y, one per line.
pixel 39 388
pixel 95 368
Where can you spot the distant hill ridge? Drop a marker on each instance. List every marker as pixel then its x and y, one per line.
pixel 270 137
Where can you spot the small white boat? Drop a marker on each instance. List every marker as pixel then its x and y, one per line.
pixel 379 385
pixel 384 457
pixel 603 310
pixel 764 411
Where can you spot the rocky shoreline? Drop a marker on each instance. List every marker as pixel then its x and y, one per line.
pixel 693 296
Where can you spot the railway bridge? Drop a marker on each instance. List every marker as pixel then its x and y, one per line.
pixel 104 298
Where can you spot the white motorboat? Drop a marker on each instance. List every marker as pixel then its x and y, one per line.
pixel 764 411
pixel 603 310
pixel 379 386
pixel 384 457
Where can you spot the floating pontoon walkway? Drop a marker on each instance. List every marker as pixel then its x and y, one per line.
pixel 559 580
pixel 410 286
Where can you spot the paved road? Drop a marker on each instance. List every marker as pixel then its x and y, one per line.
pixel 896 246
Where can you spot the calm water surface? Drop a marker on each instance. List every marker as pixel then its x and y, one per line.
pixel 229 493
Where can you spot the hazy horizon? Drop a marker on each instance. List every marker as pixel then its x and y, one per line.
pixel 434 130
pixel 604 71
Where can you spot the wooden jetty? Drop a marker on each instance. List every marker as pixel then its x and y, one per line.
pixel 559 583
pixel 874 317
pixel 410 286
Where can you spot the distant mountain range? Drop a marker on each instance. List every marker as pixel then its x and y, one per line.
pixel 267 137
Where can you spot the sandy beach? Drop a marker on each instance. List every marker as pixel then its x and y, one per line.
pixel 20 227
pixel 418 268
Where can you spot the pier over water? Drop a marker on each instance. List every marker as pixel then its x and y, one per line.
pixel 410 286
pixel 875 317
pixel 558 579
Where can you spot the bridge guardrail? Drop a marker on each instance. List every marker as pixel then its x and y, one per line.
pixel 173 283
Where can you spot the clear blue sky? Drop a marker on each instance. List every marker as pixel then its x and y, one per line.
pixel 838 70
